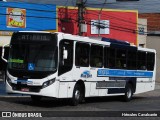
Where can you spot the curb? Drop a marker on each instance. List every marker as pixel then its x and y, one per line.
pixel 4 96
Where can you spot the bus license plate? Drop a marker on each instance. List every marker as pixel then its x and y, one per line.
pixel 24 89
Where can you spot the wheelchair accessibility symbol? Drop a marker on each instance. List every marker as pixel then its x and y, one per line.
pixel 31 66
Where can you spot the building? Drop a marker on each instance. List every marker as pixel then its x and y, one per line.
pixel 43 17
pixel 24 17
pixel 35 20
pixel 114 24
pixel 142 32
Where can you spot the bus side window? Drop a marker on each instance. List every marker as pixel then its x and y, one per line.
pixel 141 60
pixel 121 59
pixel 65 64
pixel 131 60
pixel 111 57
pixel 106 57
pixel 82 54
pixel 150 61
pixel 96 56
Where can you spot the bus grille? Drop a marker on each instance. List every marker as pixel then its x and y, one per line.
pixel 30 88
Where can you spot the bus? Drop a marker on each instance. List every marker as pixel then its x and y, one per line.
pixel 59 65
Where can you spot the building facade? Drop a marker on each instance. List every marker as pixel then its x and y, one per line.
pixel 142 32
pixel 115 24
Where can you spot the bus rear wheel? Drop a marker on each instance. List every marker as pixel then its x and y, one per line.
pixel 128 93
pixel 77 95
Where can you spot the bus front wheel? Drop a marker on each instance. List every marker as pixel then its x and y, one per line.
pixel 128 93
pixel 77 95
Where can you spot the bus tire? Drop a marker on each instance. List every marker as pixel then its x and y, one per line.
pixel 128 93
pixel 77 95
pixel 36 98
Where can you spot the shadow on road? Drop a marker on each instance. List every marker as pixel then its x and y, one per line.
pixel 52 102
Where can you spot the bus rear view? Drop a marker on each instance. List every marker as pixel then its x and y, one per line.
pixel 32 58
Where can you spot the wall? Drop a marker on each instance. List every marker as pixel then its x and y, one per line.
pixel 17 16
pixel 4 40
pixel 153 42
pixel 119 24
pixel 142 30
pixel 153 21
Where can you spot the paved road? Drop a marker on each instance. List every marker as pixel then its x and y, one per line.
pixel 149 101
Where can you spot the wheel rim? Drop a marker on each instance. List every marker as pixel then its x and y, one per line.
pixel 77 94
pixel 129 93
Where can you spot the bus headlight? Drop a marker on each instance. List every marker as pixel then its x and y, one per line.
pixel 49 82
pixel 8 80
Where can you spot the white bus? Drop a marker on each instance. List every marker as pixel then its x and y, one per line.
pixel 62 65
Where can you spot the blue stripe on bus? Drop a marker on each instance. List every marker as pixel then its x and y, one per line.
pixel 124 73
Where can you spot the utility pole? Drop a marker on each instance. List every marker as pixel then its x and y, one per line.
pixel 80 5
pixel 99 19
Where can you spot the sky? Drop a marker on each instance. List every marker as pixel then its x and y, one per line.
pixel 143 6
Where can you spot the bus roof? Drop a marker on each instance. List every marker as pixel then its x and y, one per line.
pixel 96 40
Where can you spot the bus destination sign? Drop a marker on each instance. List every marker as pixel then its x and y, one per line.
pixel 34 37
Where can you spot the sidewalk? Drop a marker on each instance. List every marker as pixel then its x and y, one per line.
pixel 157 86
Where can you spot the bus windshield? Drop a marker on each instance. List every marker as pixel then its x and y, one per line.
pixel 33 57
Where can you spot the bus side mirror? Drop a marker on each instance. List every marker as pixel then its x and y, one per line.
pixel 65 54
pixel 3 53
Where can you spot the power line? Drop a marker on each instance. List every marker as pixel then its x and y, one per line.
pixel 56 11
pixel 88 22
pixel 45 17
pixel 120 19
pixel 99 17
pixel 3 6
pixel 89 13
pixel 70 19
pixel 116 18
pixel 112 27
pixel 31 16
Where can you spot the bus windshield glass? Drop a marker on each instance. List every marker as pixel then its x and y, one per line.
pixel 33 56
